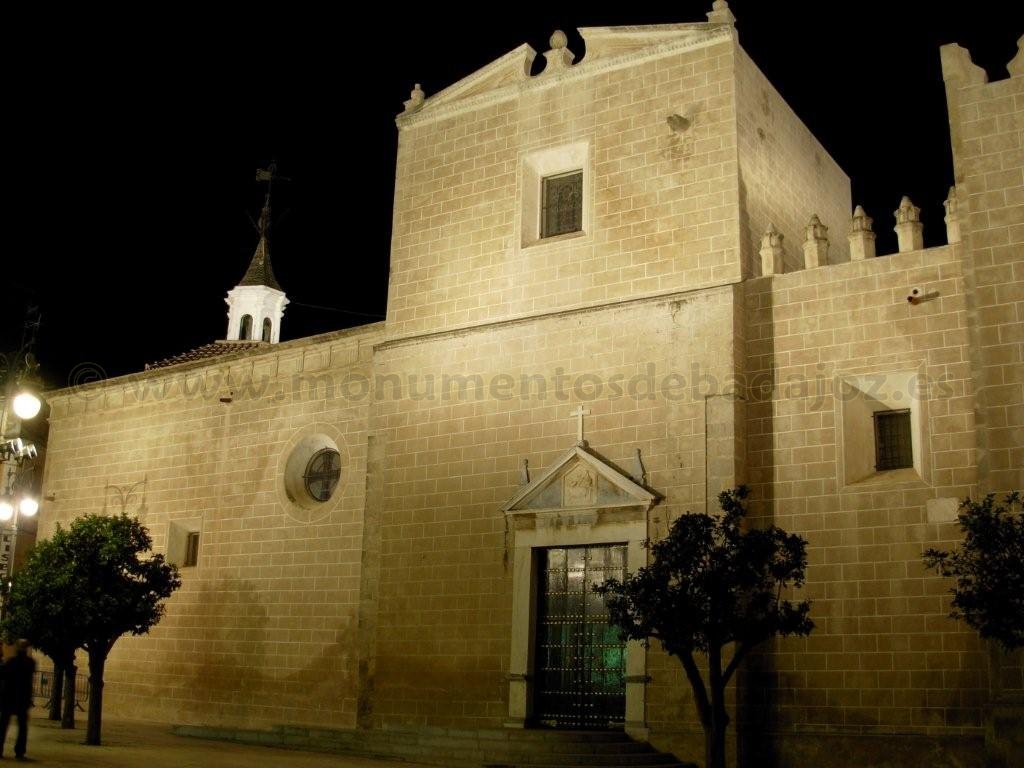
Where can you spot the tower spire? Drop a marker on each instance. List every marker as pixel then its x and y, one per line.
pixel 256 304
pixel 260 271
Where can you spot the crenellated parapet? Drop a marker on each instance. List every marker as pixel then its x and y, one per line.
pixel 909 229
pixel 952 217
pixel 773 253
pixel 1016 65
pixel 815 244
pixel 862 236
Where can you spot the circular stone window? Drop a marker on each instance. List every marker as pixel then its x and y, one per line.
pixel 312 471
pixel 322 474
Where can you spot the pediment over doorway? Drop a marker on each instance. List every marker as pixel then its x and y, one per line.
pixel 579 480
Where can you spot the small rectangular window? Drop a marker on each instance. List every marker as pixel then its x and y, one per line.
pixel 893 446
pixel 562 204
pixel 191 550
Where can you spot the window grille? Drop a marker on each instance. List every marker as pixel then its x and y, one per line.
pixel 322 474
pixel 562 208
pixel 191 549
pixel 893 446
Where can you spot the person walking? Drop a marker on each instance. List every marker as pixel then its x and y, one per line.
pixel 18 672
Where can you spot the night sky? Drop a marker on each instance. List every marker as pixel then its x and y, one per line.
pixel 132 144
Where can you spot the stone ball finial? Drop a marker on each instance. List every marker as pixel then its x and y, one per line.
pixel 416 98
pixel 720 13
pixel 558 40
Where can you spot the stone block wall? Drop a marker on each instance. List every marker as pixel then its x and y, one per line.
pixel 885 659
pixel 786 175
pixel 263 629
pixel 662 207
pixel 643 369
pixel 987 125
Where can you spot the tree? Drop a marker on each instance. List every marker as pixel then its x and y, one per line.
pixel 41 607
pixel 989 590
pixel 712 584
pixel 112 590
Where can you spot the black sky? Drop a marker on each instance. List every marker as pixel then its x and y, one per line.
pixel 132 142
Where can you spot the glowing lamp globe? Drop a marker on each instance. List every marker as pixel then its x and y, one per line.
pixel 6 510
pixel 26 405
pixel 28 506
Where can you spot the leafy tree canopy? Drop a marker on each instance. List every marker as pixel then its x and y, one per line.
pixel 84 588
pixel 988 568
pixel 117 591
pixel 42 605
pixel 711 582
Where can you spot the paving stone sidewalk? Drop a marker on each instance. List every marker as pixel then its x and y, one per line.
pixel 150 745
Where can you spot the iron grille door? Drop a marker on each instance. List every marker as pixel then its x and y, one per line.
pixel 580 659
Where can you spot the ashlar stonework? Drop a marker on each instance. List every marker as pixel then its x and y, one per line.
pixel 720 311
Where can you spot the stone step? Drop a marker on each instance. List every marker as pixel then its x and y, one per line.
pixel 460 748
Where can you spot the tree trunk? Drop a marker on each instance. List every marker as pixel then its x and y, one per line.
pixel 714 742
pixel 97 660
pixel 70 694
pixel 714 732
pixel 56 690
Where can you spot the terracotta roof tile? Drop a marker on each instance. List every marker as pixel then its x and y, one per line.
pixel 206 352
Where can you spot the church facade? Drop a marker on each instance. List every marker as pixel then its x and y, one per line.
pixel 617 288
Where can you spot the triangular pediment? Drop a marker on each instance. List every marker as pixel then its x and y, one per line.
pixel 607 42
pixel 579 480
pixel 510 68
pixel 606 48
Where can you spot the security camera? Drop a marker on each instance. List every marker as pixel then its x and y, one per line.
pixel 915 295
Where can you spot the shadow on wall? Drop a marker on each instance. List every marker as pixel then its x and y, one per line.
pixel 757 680
pixel 245 670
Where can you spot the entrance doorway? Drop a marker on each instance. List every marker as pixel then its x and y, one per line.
pixel 580 659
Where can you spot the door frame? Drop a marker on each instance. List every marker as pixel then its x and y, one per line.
pixel 553 530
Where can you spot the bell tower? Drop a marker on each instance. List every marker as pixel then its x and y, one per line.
pixel 256 305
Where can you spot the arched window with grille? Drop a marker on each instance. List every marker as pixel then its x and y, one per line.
pixel 267 328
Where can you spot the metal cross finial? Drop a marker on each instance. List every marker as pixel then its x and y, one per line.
pixel 580 412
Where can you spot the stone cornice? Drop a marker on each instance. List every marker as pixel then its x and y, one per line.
pixel 467 330
pixel 193 368
pixel 437 107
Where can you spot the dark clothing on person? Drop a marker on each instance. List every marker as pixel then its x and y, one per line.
pixel 18 672
pixel 21 742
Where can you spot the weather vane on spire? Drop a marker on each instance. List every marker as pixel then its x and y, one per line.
pixel 268 175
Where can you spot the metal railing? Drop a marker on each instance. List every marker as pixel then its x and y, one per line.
pixel 42 688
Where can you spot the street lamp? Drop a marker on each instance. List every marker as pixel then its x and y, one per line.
pixel 17 451
pixel 10 507
pixel 26 405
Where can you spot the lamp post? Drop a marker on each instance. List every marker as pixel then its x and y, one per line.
pixel 17 454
